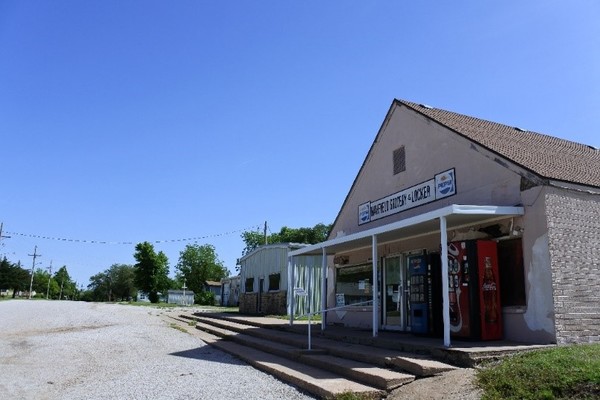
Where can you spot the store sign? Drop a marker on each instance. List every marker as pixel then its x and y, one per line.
pixel 440 186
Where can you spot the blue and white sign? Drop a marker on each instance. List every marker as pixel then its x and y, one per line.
pixel 440 186
pixel 445 184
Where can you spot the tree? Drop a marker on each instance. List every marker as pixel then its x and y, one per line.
pixel 151 273
pixel 122 281
pixel 99 287
pixel 115 283
pixel 41 279
pixel 198 264
pixel 12 276
pixel 68 287
pixel 316 234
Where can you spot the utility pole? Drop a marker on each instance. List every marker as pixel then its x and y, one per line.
pixel 1 235
pixel 266 242
pixel 34 255
pixel 184 287
pixel 49 277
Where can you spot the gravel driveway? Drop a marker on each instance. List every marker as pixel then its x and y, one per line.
pixel 76 350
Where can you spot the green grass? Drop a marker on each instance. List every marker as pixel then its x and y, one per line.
pixel 314 318
pixel 191 307
pixel 566 372
pixel 351 396
pixel 179 328
pixel 147 304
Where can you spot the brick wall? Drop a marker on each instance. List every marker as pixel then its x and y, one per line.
pixel 248 303
pixel 272 303
pixel 574 244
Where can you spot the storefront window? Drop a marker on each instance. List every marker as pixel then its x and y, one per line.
pixel 354 284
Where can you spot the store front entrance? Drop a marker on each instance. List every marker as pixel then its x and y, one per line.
pixel 405 293
pixel 393 291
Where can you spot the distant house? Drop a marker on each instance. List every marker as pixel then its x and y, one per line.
pixel 265 275
pixel 142 297
pixel 230 291
pixel 181 297
pixel 215 288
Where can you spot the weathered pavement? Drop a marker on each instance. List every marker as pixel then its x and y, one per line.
pixel 75 350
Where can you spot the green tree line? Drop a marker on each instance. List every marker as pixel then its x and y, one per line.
pixel 150 274
pixel 196 265
pixel 18 279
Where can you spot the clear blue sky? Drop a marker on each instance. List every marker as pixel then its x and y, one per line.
pixel 126 121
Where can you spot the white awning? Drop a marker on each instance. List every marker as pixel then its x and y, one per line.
pixel 437 221
pixel 457 216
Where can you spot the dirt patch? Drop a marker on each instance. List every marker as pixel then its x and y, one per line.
pixel 456 384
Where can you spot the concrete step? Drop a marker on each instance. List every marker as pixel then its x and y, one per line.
pixel 321 383
pixel 368 374
pixel 380 378
pixel 386 358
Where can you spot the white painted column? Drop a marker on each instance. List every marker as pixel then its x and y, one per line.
pixel 290 286
pixel 445 291
pixel 375 289
pixel 324 290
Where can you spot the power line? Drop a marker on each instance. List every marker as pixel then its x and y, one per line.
pixel 191 239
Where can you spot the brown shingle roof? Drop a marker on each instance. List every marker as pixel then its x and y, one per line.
pixel 544 155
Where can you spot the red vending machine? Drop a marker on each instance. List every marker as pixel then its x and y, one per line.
pixel 474 290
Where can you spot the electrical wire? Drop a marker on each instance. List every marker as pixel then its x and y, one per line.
pixel 191 239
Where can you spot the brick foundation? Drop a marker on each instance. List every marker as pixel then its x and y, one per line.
pixel 272 303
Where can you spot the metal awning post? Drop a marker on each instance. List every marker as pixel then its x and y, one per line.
pixel 324 290
pixel 309 300
pixel 290 286
pixel 445 291
pixel 375 289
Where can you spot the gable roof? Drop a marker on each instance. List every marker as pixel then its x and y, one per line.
pixel 546 156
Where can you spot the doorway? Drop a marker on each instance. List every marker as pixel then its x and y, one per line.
pixel 405 292
pixel 394 291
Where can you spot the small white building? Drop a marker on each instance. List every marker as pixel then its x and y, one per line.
pixel 142 297
pixel 182 297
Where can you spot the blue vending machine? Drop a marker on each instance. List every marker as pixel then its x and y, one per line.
pixel 418 299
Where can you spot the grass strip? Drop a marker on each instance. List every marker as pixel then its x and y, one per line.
pixel 565 372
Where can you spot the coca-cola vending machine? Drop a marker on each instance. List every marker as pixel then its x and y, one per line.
pixel 474 290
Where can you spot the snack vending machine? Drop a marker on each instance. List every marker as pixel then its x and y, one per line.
pixel 419 294
pixel 474 291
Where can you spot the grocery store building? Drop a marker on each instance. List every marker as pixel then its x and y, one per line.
pixel 462 228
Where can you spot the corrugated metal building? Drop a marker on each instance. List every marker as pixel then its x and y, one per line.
pixel 264 280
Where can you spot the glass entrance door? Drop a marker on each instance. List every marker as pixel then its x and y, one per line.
pixel 394 293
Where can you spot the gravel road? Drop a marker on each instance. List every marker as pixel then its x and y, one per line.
pixel 76 350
